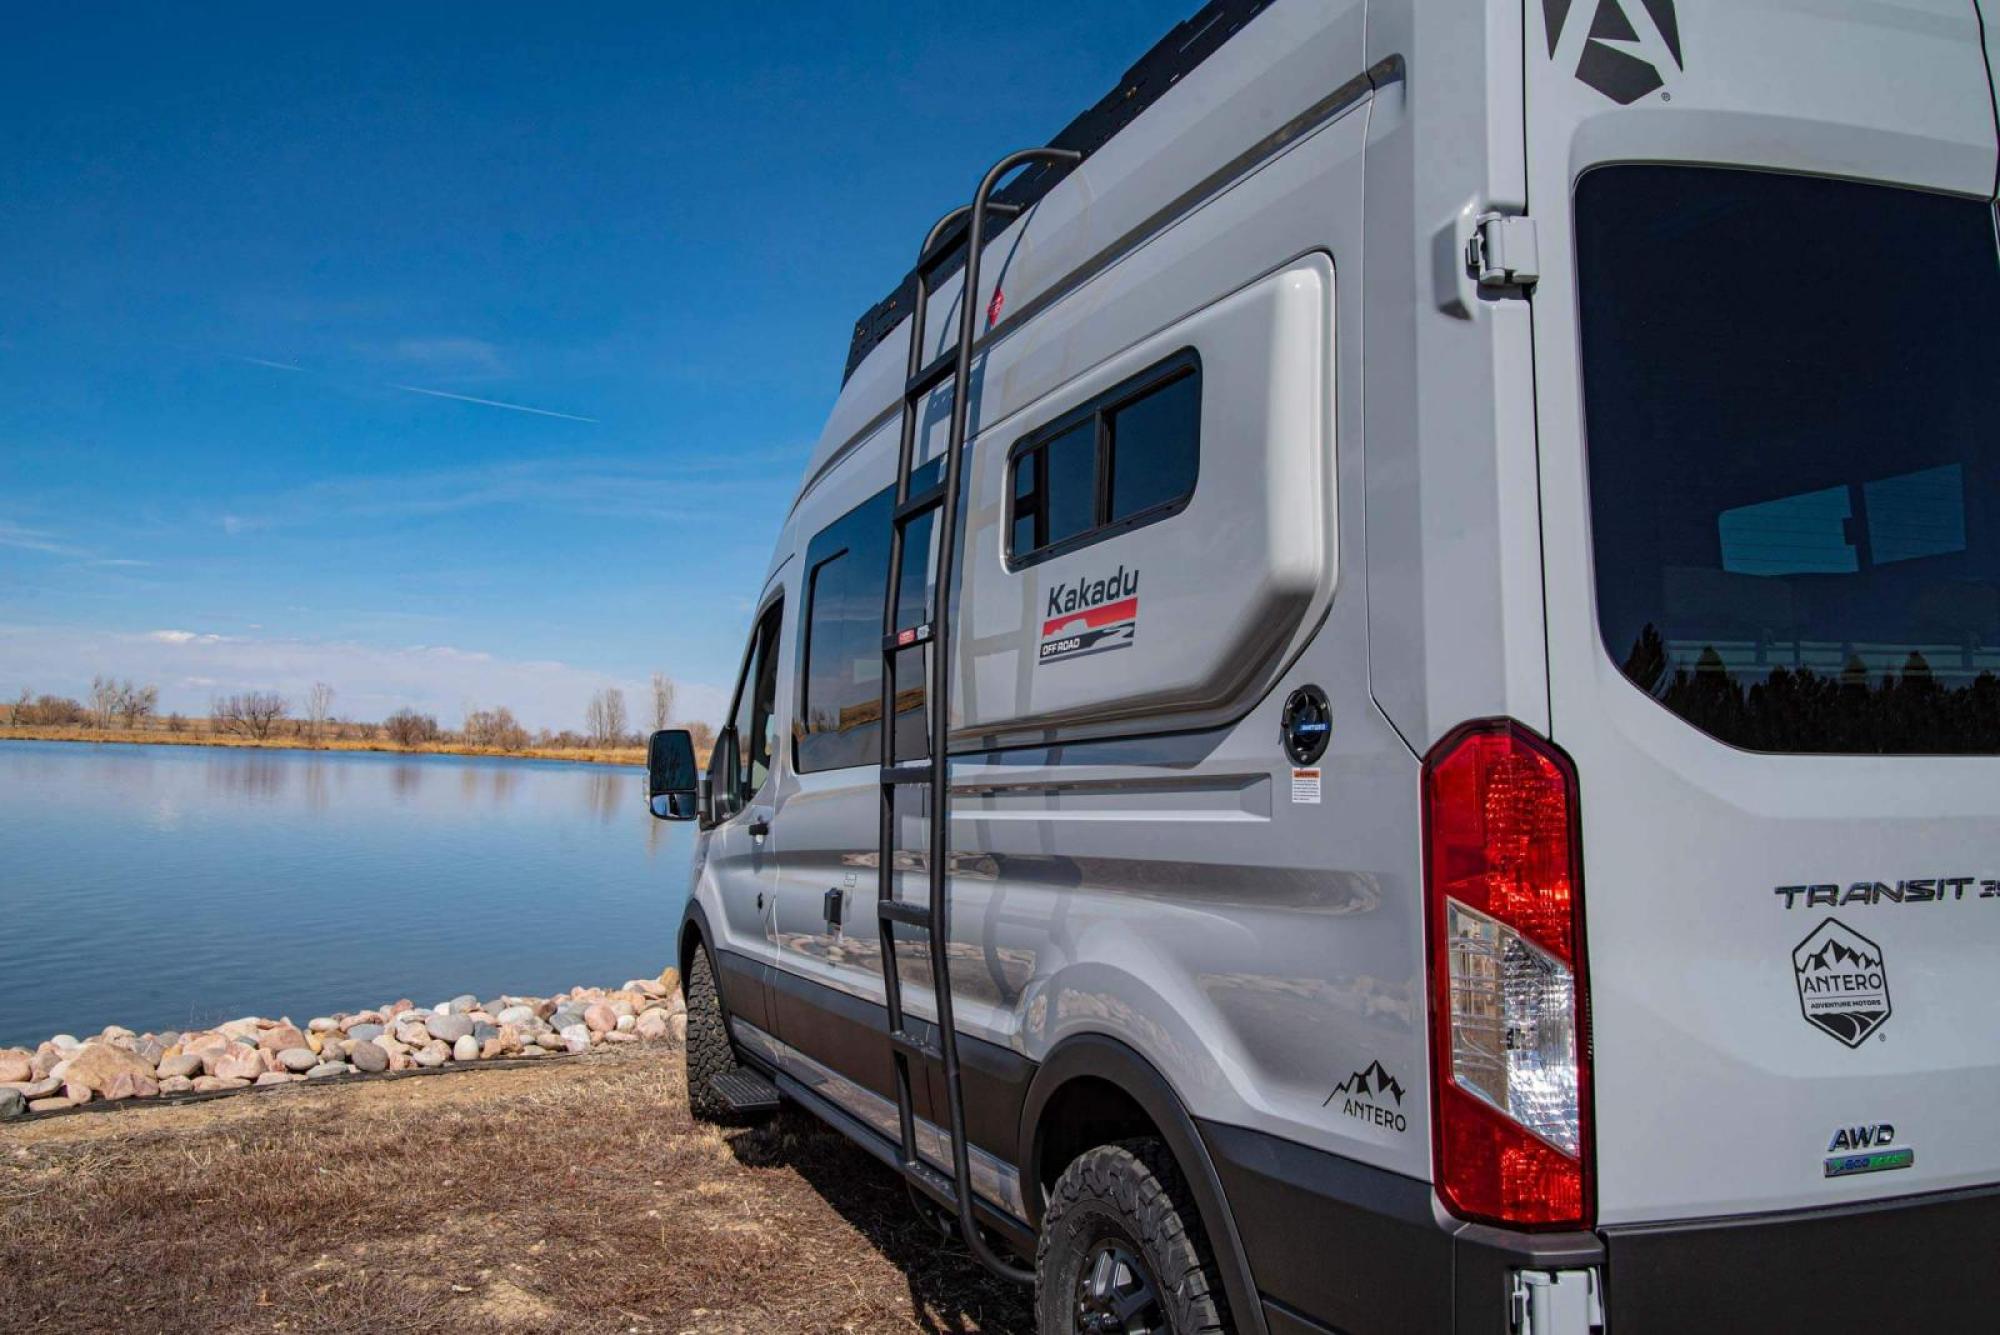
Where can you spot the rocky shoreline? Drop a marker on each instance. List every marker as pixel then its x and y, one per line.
pixel 255 1052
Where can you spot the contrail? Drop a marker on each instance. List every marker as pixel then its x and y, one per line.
pixel 495 403
pixel 263 361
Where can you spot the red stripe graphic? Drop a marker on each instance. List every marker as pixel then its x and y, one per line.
pixel 1126 609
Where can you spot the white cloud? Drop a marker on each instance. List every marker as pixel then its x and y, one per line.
pixel 370 681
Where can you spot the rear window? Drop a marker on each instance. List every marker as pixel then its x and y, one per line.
pixel 1792 400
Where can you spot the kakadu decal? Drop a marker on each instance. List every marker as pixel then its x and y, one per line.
pixel 1617 60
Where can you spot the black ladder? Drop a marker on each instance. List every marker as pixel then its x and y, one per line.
pixel 954 367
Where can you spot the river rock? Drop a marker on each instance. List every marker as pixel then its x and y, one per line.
pixel 626 1024
pixel 320 1024
pixel 280 1077
pixel 576 1037
pixel 55 1104
pixel 126 1085
pixel 514 1015
pixel 216 1084
pixel 96 1065
pixel 16 1064
pixel 600 1018
pixel 483 1030
pixel 459 1004
pixel 551 1041
pixel 44 1060
pixel 466 1049
pixel 413 1032
pixel 176 1084
pixel 680 1027
pixel 431 1055
pixel 66 1043
pixel 12 1104
pixel 150 1050
pixel 616 1037
pixel 365 1031
pixel 653 1025
pixel 279 1037
pixel 45 1088
pixel 367 1057
pixel 186 1064
pixel 327 1069
pixel 677 1004
pixel 238 1063
pixel 297 1059
pixel 450 1028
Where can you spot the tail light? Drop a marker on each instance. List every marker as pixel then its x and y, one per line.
pixel 1510 1038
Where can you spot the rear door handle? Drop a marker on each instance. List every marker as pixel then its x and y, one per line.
pixel 759 826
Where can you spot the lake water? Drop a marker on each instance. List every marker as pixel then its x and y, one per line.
pixel 168 886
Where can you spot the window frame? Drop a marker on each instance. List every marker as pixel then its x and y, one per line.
pixel 740 798
pixel 1101 409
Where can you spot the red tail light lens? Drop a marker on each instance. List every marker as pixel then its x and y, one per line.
pixel 1509 1015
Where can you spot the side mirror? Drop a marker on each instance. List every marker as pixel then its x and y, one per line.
pixel 673 780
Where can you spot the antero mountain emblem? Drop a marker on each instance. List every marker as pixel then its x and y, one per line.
pixel 1366 1096
pixel 1608 63
pixel 1843 983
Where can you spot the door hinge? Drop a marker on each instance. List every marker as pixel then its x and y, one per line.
pixel 1503 251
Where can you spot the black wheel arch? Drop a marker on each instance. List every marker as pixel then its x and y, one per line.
pixel 694 935
pixel 1099 1058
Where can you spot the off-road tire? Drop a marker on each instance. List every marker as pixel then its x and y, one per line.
pixel 708 1052
pixel 1130 1195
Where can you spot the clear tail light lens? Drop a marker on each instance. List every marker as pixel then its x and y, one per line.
pixel 1510 1041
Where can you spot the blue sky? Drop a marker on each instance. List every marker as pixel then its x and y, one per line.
pixel 458 354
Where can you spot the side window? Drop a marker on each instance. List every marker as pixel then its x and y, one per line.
pixel 840 659
pixel 1126 458
pixel 756 705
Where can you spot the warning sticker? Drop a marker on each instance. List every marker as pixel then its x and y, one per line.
pixel 1305 787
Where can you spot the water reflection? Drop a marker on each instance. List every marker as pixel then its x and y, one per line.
pixel 107 853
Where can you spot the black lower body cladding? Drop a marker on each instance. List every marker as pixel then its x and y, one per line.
pixel 1338 1246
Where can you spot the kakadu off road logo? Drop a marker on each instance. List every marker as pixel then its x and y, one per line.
pixel 1617 59
pixel 1843 984
pixel 1091 616
pixel 1373 1096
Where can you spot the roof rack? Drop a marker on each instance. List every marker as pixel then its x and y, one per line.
pixel 1192 41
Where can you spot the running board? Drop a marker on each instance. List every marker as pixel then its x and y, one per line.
pixel 745 1091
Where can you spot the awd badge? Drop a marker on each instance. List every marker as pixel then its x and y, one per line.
pixel 1865 1149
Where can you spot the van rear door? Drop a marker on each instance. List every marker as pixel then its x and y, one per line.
pixel 1768 377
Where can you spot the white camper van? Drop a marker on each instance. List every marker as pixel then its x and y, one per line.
pixel 1380 707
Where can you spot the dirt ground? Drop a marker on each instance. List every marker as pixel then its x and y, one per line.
pixel 575 1195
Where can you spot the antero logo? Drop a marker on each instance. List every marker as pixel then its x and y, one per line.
pixel 1616 60
pixel 1843 983
pixel 1091 616
pixel 1365 1096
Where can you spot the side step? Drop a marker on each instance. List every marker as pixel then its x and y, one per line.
pixel 745 1091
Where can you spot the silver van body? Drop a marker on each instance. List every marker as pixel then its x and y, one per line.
pixel 1365 232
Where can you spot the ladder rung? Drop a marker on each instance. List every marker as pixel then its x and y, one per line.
pixel 910 915
pixel 928 379
pixel 909 637
pixel 920 504
pixel 1000 208
pixel 908 773
pixel 912 1046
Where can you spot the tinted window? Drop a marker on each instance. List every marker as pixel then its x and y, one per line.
pixel 756 703
pixel 1126 458
pixel 1792 399
pixel 1154 447
pixel 847 565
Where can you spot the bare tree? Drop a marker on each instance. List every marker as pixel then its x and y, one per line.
pixel 254 714
pixel 137 702
pixel 406 727
pixel 663 700
pixel 703 735
pixel 22 706
pixel 176 724
pixel 604 719
pixel 104 700
pixel 319 705
pixel 496 728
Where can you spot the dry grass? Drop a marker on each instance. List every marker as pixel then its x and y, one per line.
pixel 159 736
pixel 570 1196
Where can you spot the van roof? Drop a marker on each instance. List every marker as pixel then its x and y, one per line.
pixel 1190 42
